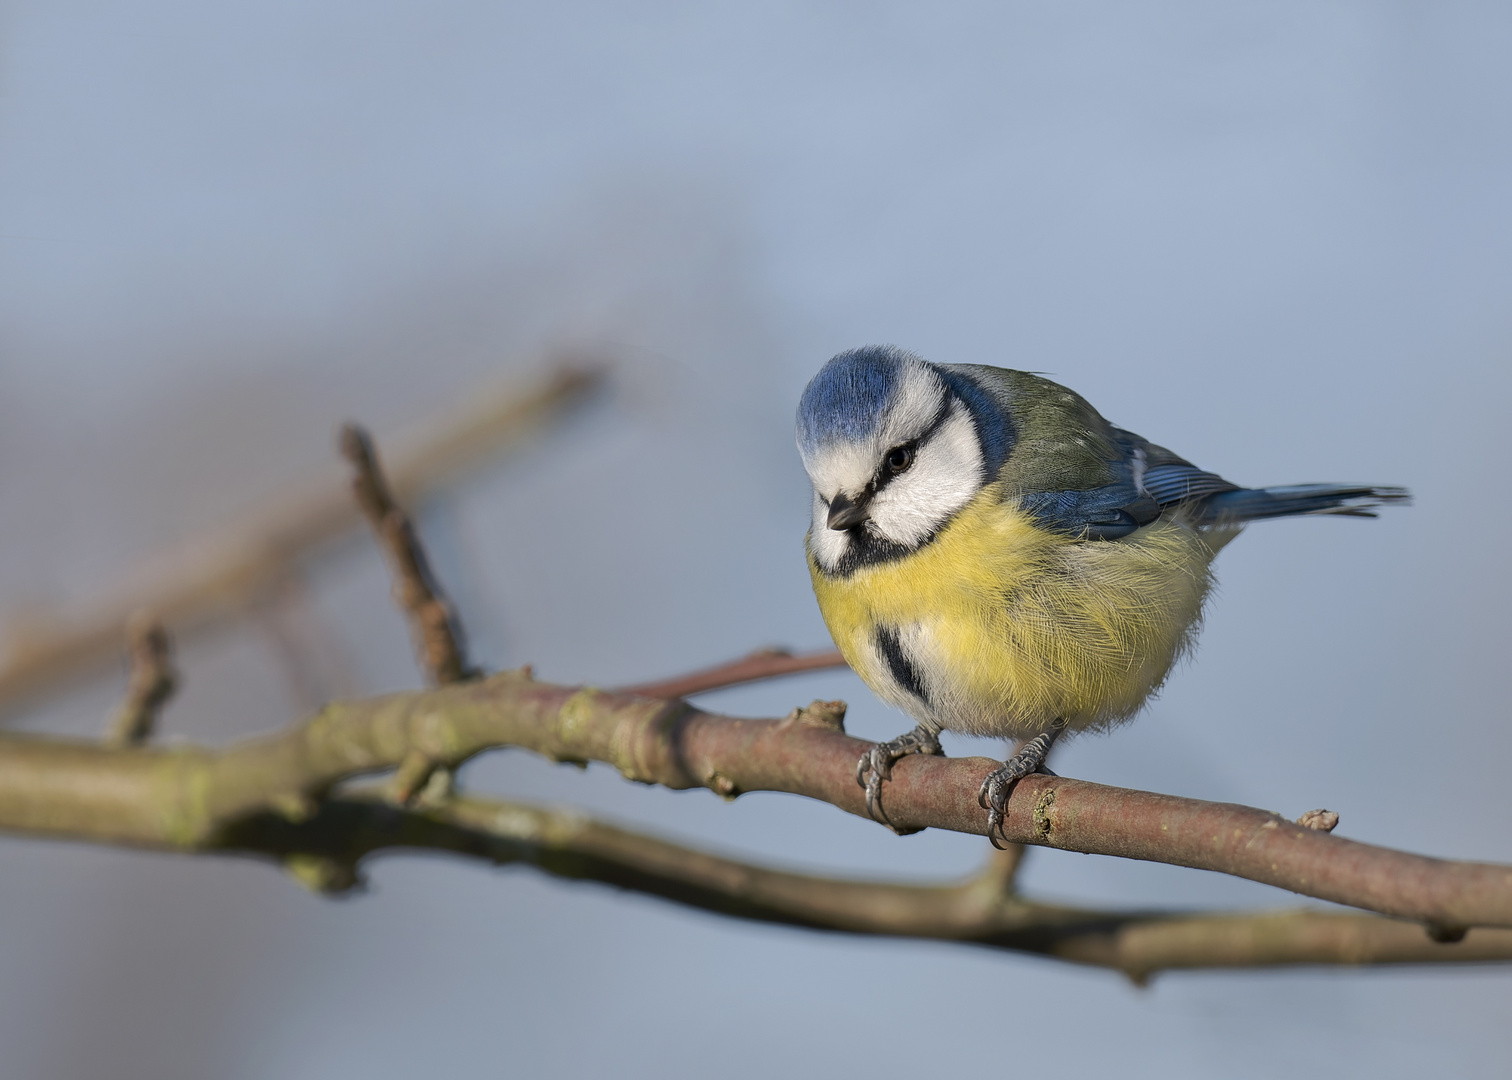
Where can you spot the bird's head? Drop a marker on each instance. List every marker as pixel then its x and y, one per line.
pixel 894 447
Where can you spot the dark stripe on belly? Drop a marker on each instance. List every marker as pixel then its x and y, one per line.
pixel 902 668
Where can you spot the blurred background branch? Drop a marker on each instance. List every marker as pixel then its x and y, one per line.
pixel 217 576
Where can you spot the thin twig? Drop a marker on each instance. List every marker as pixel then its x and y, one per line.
pixel 217 575
pixel 433 624
pixel 764 664
pixel 185 795
pixel 326 851
pixel 150 684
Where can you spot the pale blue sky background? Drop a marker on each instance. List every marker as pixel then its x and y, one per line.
pixel 1274 236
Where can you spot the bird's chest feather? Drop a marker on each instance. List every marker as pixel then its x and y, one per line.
pixel 998 627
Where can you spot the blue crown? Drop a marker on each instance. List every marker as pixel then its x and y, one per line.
pixel 850 395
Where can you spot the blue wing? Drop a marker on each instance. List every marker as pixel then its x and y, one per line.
pixel 1115 509
pixel 1151 480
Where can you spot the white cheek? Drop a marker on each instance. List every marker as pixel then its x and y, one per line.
pixel 945 477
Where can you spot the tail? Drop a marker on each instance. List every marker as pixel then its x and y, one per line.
pixel 1252 504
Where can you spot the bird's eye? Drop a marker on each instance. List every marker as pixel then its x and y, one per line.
pixel 899 458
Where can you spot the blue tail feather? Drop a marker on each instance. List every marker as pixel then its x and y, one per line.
pixel 1251 504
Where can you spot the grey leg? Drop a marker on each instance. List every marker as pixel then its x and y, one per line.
pixel 993 794
pixel 878 762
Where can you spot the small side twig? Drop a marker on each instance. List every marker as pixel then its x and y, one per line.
pixel 1320 820
pixel 151 683
pixel 438 635
pixel 763 664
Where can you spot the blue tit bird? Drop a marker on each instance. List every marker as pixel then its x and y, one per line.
pixel 994 558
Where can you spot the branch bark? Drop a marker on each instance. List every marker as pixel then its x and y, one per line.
pixel 187 796
pixel 219 575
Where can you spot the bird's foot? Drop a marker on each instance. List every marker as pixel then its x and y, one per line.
pixel 993 794
pixel 876 765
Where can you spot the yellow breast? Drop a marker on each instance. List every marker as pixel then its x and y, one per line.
pixel 1010 627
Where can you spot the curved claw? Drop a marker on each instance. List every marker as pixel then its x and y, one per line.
pixel 992 796
pixel 874 761
pixel 874 801
pixel 875 767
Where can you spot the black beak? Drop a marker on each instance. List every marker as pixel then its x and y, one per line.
pixel 847 513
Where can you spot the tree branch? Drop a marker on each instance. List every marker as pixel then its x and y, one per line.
pixel 186 796
pixel 219 575
pixel 326 850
